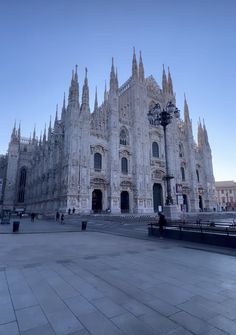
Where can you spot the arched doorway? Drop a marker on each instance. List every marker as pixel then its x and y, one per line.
pixel 124 202
pixel 97 200
pixel 200 203
pixel 157 197
pixel 185 202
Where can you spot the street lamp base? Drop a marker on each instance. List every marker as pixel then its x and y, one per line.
pixel 171 212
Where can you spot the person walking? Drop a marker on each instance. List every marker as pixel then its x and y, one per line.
pixel 57 216
pixel 162 222
pixel 62 218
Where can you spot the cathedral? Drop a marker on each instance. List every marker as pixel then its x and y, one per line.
pixel 112 158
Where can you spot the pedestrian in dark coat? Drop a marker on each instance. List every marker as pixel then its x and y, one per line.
pixel 62 218
pixel 162 222
pixel 57 216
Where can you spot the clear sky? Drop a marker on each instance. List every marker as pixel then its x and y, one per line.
pixel 42 40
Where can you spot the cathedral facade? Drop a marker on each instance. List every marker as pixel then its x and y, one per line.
pixel 112 158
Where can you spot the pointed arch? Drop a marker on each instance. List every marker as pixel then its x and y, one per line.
pixel 124 165
pixel 124 202
pixel 124 136
pixel 181 150
pixel 155 149
pixel 97 161
pixel 22 184
pixel 157 197
pixel 182 173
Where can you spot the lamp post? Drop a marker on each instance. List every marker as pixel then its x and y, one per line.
pixel 163 117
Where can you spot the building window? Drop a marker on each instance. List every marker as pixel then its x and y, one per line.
pixel 124 165
pixel 22 184
pixel 23 177
pixel 182 173
pixel 231 200
pixel 97 161
pixel 124 137
pixel 155 150
pixel 198 179
pixel 181 150
pixel 222 191
pixel 230 191
pixel 223 200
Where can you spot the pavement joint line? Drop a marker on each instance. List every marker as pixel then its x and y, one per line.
pixel 14 311
pixel 129 295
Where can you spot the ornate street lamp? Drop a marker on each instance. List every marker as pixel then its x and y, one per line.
pixel 163 117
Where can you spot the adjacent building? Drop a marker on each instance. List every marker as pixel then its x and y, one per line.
pixel 111 158
pixel 226 195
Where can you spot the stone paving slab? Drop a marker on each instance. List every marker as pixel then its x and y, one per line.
pixel 96 284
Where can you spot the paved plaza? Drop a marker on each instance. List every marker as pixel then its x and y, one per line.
pixel 55 279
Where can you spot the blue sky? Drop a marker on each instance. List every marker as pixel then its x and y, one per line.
pixel 42 40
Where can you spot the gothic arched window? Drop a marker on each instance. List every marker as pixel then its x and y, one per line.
pixel 198 179
pixel 97 161
pixel 22 184
pixel 124 140
pixel 124 165
pixel 181 150
pixel 182 173
pixel 23 177
pixel 155 150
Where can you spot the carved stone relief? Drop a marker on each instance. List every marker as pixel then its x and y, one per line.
pixel 158 174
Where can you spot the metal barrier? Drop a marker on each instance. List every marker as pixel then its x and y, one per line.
pixel 200 233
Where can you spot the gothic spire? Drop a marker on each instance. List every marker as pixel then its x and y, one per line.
pixel 96 100
pixel 186 110
pixel 205 133
pixel 164 80
pixel 112 77
pixel 50 128
pixel 105 92
pixel 63 110
pixel 56 116
pixel 44 134
pixel 40 138
pixel 74 88
pixel 200 135
pixel 34 133
pixel 141 68
pixel 85 93
pixel 19 131
pixel 72 77
pixel 76 73
pixel 13 134
pixel 117 84
pixel 170 84
pixel 134 66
